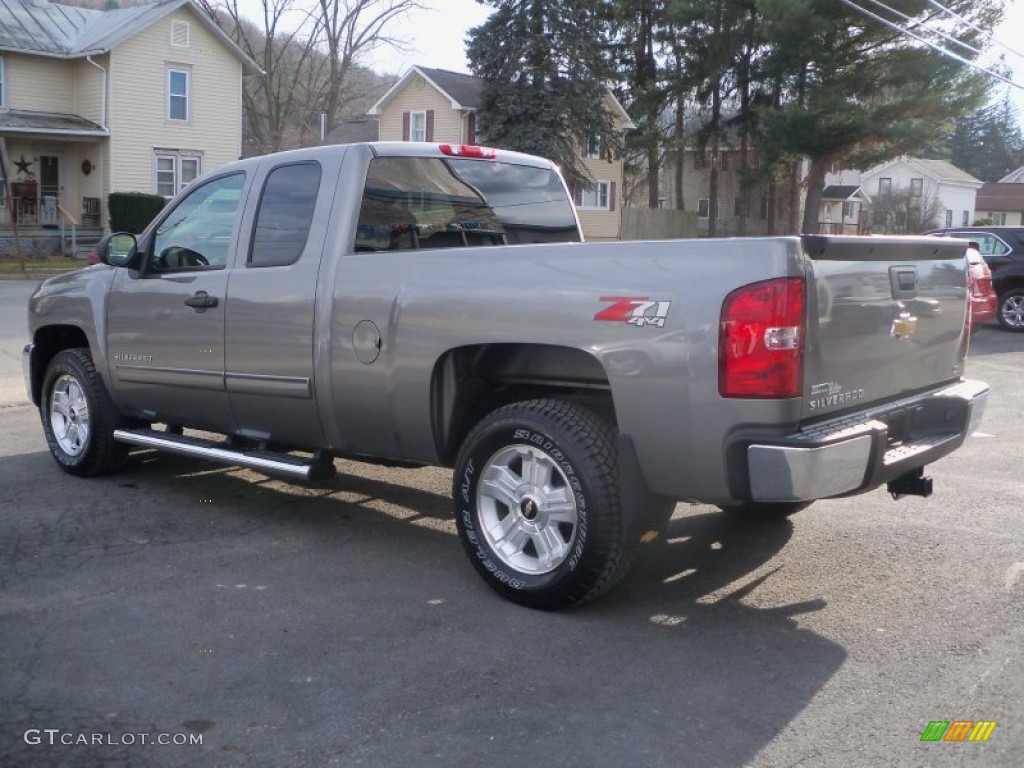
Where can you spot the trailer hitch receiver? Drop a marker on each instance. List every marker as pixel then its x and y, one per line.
pixel 912 483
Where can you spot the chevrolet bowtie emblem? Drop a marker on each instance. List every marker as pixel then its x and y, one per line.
pixel 903 325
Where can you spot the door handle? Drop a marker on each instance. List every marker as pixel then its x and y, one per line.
pixel 201 300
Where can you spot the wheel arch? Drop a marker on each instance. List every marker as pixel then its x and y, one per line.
pixel 470 381
pixel 47 342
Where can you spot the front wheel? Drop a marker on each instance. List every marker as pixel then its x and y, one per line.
pixel 538 506
pixel 1011 309
pixel 78 416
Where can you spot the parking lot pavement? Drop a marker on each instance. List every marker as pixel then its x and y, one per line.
pixel 341 624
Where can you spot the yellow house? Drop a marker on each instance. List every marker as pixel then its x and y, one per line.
pixel 437 105
pixel 141 99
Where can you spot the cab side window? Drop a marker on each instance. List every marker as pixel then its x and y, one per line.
pixel 285 215
pixel 198 233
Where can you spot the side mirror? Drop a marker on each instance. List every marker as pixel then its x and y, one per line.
pixel 117 249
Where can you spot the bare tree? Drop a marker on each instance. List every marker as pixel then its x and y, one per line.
pixel 281 91
pixel 347 30
pixel 309 53
pixel 904 213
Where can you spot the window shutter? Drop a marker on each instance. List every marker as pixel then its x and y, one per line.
pixel 471 128
pixel 405 126
pixel 430 125
pixel 611 196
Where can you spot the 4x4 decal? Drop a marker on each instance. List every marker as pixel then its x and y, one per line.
pixel 635 310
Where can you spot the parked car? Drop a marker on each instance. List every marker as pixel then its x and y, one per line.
pixel 984 302
pixel 1002 248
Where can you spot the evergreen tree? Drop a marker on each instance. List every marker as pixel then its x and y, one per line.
pixel 857 92
pixel 545 80
pixel 987 143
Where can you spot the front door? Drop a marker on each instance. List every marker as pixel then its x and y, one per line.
pixel 49 189
pixel 165 326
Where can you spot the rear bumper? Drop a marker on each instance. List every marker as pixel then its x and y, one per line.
pixel 858 453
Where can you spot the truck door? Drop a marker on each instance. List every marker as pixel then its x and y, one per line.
pixel 271 303
pixel 165 323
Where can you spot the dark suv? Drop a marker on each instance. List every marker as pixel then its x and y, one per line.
pixel 1003 250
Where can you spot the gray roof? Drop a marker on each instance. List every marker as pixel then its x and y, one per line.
pixel 17 121
pixel 1013 177
pixel 465 89
pixel 50 29
pixel 354 131
pixel 839 192
pixel 940 169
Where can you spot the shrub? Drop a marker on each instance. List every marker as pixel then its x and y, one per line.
pixel 132 211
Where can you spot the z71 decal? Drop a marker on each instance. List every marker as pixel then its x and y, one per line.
pixel 635 310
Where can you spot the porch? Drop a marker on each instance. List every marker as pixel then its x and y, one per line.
pixel 51 198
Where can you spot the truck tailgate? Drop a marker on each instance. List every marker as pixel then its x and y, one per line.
pixel 886 317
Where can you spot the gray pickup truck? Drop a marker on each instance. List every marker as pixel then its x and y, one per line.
pixel 431 304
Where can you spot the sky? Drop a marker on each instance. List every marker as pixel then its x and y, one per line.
pixel 436 35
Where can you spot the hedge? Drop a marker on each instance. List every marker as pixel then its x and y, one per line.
pixel 132 211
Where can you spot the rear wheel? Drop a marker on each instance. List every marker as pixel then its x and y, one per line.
pixel 763 510
pixel 78 416
pixel 537 504
pixel 1011 309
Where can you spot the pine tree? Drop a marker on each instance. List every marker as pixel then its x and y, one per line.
pixel 858 92
pixel 545 80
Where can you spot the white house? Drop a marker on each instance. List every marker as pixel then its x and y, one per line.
pixel 935 185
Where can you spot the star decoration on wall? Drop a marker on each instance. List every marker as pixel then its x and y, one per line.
pixel 22 165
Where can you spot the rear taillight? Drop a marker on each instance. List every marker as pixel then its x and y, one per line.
pixel 468 150
pixel 761 340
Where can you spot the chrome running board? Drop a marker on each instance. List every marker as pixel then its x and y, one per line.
pixel 263 461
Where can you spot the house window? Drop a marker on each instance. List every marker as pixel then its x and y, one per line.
pixel 417 126
pixel 916 188
pixel 179 34
pixel 723 161
pixel 966 219
pixel 178 94
pixel 704 208
pixel 594 147
pixel 998 218
pixel 174 172
pixel 849 210
pixel 949 218
pixel 884 187
pixel 595 197
pixel 3 83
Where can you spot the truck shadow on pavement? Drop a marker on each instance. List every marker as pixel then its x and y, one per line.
pixel 342 624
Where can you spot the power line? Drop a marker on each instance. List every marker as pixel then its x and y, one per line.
pixel 944 51
pixel 988 35
pixel 915 23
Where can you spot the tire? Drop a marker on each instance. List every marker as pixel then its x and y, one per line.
pixel 537 504
pixel 754 510
pixel 78 416
pixel 1011 309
